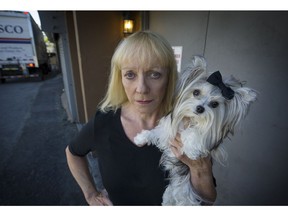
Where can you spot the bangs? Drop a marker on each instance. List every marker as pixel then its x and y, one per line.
pixel 145 52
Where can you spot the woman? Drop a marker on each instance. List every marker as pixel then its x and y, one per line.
pixel 140 92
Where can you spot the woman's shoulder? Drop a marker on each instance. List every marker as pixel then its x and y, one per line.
pixel 105 124
pixel 106 115
pixel 103 118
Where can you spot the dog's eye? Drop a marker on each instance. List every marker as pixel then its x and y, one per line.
pixel 214 104
pixel 196 92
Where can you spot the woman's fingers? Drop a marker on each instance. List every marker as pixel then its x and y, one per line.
pixel 176 146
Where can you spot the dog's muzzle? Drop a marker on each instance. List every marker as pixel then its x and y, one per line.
pixel 200 109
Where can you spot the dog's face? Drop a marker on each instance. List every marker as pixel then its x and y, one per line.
pixel 206 103
pixel 202 106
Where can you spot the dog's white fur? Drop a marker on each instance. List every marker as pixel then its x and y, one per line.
pixel 201 133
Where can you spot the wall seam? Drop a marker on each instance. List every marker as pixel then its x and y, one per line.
pixel 80 66
pixel 206 33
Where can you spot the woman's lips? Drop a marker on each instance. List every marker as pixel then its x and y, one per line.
pixel 143 102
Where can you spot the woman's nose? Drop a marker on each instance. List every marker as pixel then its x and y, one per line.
pixel 142 87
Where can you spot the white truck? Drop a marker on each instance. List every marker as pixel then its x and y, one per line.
pixel 22 47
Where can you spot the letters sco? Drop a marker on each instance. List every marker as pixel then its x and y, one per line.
pixel 11 29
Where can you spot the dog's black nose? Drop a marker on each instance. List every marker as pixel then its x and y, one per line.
pixel 200 109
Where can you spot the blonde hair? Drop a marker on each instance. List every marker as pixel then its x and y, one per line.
pixel 143 46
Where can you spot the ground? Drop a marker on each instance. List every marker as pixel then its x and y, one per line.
pixel 34 132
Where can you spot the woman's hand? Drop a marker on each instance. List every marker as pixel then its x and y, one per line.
pixel 201 163
pixel 80 171
pixel 99 199
pixel 200 170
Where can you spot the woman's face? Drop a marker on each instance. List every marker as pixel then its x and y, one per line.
pixel 145 86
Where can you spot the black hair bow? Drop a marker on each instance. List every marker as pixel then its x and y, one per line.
pixel 216 80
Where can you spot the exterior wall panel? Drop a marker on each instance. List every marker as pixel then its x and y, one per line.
pixel 253 47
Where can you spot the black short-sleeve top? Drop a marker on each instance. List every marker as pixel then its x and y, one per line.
pixel 131 174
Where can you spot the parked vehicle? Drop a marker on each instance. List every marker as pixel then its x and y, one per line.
pixel 22 47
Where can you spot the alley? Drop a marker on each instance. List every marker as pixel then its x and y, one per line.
pixel 34 132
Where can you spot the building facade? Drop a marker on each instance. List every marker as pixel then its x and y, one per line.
pixel 251 45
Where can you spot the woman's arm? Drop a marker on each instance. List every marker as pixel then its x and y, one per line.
pixel 80 171
pixel 202 178
pixel 201 173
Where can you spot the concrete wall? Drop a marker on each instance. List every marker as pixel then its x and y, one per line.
pixel 97 35
pixel 252 46
pixel 182 28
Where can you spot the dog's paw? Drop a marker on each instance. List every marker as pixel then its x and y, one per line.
pixel 142 138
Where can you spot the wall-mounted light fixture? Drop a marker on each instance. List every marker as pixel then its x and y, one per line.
pixel 128 23
pixel 128 26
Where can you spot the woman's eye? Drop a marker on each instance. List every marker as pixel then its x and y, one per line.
pixel 155 75
pixel 130 75
pixel 214 104
pixel 196 92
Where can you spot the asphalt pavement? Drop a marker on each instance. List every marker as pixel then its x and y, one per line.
pixel 34 134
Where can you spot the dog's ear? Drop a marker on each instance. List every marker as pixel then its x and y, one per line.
pixel 245 95
pixel 199 62
pixel 238 107
pixel 192 72
pixel 196 68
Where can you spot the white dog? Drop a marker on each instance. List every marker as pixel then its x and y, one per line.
pixel 206 111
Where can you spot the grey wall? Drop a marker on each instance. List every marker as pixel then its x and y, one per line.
pixel 187 29
pixel 252 46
